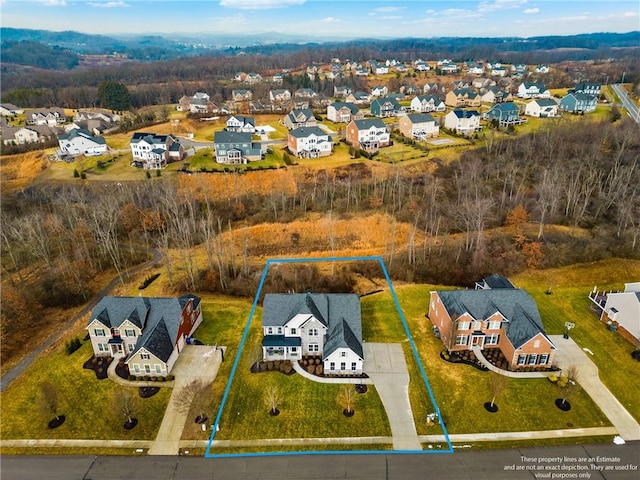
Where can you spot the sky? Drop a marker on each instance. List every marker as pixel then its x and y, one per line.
pixel 350 18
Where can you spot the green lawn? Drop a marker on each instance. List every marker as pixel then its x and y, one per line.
pixel 84 400
pixel 205 159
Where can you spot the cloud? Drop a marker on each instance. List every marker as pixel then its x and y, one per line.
pixel 108 4
pixel 630 14
pixel 531 11
pixel 392 17
pixel 330 20
pixel 53 3
pixel 259 4
pixel 388 9
pixel 460 13
pixel 488 6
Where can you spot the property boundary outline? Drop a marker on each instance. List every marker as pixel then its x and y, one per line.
pixel 379 259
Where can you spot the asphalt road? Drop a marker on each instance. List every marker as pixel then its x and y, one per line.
pixel 632 107
pixel 571 461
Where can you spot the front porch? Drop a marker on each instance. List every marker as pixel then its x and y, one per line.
pixel 280 347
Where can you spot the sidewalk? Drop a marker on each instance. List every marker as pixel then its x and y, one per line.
pixel 479 355
pixel 568 354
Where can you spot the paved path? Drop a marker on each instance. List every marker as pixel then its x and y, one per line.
pixel 114 377
pixel 568 354
pixel 632 108
pixel 314 378
pixel 478 353
pixel 21 366
pixel 196 362
pixel 385 364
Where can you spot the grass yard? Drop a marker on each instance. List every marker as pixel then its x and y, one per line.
pixel 568 302
pixel 84 400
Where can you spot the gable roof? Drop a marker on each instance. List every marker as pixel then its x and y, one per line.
pixel 516 305
pixel 545 102
pixel 304 132
pixel 342 336
pixel 384 100
pixel 505 107
pixel 150 138
pixel 367 123
pixel 497 281
pixel 420 118
pixel 113 311
pixel 465 113
pixel 224 136
pixel 244 120
pixel 300 115
pixel 352 108
pixel 81 133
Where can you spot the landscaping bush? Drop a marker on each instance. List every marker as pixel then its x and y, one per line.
pixel 72 345
pixel 170 378
pixel 131 377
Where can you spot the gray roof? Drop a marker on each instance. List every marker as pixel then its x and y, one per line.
pixel 304 132
pixel 224 136
pixel 546 102
pixel 300 115
pixel 497 281
pixel 420 117
pixel 352 108
pixel 381 101
pixel 465 113
pixel 516 305
pixel 505 107
pixel 339 312
pixel 81 132
pixel 367 123
pixel 150 138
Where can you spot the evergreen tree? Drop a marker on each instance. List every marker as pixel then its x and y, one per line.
pixel 114 95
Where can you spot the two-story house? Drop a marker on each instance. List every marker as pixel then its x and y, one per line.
pixel 505 114
pixel 496 95
pixel 427 103
pixel 240 123
pixel 312 324
pixel 589 88
pixel 542 108
pixel 358 98
pixel 578 102
pixel 463 122
pixel 418 126
pixel 502 318
pixel 279 95
pixel 462 97
pixel 533 90
pixel 149 332
pixel 241 95
pixel 368 134
pixel 385 107
pixel 233 148
pixel 343 112
pixel 309 142
pixel 80 142
pixel 152 151
pixel 299 118
pixel 50 117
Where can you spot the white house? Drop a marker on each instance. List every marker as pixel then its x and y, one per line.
pixel 152 151
pixel 279 95
pixel 533 90
pixel 542 108
pixel 379 91
pixel 309 142
pixel 622 310
pixel 9 110
pixel 427 103
pixel 149 332
pixel 51 117
pixel 310 324
pixel 80 142
pixel 240 123
pixel 464 122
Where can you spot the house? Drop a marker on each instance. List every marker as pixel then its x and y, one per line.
pixel 427 103
pixel 462 97
pixel 341 92
pixel 464 122
pixel 80 142
pixel 385 107
pixel 358 98
pixel 379 91
pixel 240 123
pixel 505 114
pixel 326 325
pixel 541 69
pixel 418 126
pixel 343 112
pixel 494 281
pixel 9 110
pixel 460 84
pixel 533 90
pixel 475 69
pixel 409 90
pixel 252 78
pixel 498 71
pixel 277 78
pixel 446 66
pixel 588 88
pixel 28 134
pixel 421 66
pixel 496 95
pixel 152 151
pixel 361 72
pixel 241 95
pixel 309 142
pixel 300 118
pixel 96 121
pixel 149 332
pixel 378 68
pixel 542 108
pixel 621 311
pixel 199 103
pixel 578 102
pixel 502 318
pixel 279 95
pixel 305 93
pixel 519 68
pixel 483 83
pixel 368 134
pixel 51 117
pixel 239 77
pixel 430 87
pixel 235 148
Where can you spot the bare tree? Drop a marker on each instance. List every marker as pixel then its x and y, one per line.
pixel 568 383
pixel 497 384
pixel 272 398
pixel 48 401
pixel 125 403
pixel 193 396
pixel 347 398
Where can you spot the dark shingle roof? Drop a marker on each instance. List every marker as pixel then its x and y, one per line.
pixel 342 336
pixel 465 113
pixel 304 132
pixel 515 305
pixel 367 123
pixel 224 136
pixel 498 281
pixel 157 340
pixel 420 117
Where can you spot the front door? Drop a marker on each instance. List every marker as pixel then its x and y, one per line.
pixel 477 341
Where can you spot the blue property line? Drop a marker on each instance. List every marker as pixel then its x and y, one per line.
pixel 324 452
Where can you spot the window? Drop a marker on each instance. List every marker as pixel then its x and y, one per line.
pixel 145 356
pixel 103 347
pixel 158 368
pixel 495 324
pixel 332 366
pixel 269 330
pixel 544 358
pixel 130 347
pixel 292 331
pixel 294 349
pixel 492 339
pixel 536 344
pixel 353 366
pixel 522 359
pixel 343 354
pixel 313 332
pixel 343 366
pixel 116 332
pixel 532 359
pixel 136 368
pixel 462 339
pixel 313 347
pixel 147 368
pixel 464 325
pixel 279 330
pixel 477 325
pixel 129 332
pixel 98 332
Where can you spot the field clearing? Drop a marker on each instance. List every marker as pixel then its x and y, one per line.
pixel 18 171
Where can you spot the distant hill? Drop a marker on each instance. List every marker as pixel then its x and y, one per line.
pixel 36 54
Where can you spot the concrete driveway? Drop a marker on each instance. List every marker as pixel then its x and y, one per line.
pixel 196 362
pixel 568 354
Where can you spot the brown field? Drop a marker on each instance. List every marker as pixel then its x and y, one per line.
pixel 17 171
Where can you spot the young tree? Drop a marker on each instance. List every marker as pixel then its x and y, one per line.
pixel 497 384
pixel 272 398
pixel 193 396
pixel 347 398
pixel 125 403
pixel 48 401
pixel 568 384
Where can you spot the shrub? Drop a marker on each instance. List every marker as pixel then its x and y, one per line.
pixel 83 176
pixel 147 174
pixel 76 174
pixel 170 378
pixel 131 377
pixel 161 379
pixel 72 345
